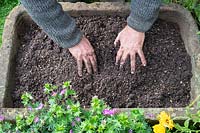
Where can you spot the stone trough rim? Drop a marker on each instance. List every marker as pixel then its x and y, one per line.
pixel 8 33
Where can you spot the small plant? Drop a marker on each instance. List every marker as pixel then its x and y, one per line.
pixel 190 125
pixel 62 113
pixel 192 120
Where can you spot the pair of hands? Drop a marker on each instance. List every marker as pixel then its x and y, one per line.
pixel 131 43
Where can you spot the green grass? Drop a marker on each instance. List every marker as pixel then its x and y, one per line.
pixel 5 7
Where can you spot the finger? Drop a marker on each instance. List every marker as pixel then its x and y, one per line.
pixel 123 59
pixel 80 66
pixel 87 64
pixel 142 57
pixel 132 58
pixel 116 40
pixel 94 63
pixel 119 55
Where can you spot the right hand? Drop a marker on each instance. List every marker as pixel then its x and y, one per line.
pixel 83 52
pixel 131 43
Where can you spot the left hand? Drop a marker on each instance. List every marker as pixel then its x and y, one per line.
pixel 131 43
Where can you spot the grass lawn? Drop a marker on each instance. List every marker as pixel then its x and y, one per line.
pixel 5 7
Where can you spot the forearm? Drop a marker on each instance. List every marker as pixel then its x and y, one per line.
pixel 143 14
pixel 49 15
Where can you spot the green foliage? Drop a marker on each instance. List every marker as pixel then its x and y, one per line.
pixel 62 113
pixel 192 5
pixel 26 97
pixel 192 122
pixel 48 88
pixel 7 127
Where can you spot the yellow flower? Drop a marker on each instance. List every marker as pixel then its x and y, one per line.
pixel 165 120
pixel 158 128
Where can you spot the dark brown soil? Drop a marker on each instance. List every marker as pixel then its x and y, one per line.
pixel 164 82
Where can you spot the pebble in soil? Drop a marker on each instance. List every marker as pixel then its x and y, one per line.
pixel 164 82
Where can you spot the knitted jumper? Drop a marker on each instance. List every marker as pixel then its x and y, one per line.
pixel 49 15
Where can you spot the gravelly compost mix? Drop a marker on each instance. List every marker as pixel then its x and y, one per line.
pixel 164 82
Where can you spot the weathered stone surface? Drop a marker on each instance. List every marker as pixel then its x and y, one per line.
pixel 150 113
pixel 96 0
pixel 174 13
pixel 68 1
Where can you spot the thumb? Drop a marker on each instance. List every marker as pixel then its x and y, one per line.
pixel 117 40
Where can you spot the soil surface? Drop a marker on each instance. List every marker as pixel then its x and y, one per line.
pixel 164 82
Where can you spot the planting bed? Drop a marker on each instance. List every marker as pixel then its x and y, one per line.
pixel 16 34
pixel 164 82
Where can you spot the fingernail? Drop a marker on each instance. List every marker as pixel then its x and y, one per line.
pixel 121 66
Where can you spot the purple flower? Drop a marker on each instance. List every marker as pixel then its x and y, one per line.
pixel 130 131
pixel 54 94
pixel 71 131
pixel 151 115
pixel 40 106
pixel 78 119
pixel 30 108
pixel 63 92
pixel 36 120
pixel 73 123
pixel 1 118
pixel 109 111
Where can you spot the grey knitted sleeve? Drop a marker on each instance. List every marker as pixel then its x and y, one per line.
pixel 49 15
pixel 143 14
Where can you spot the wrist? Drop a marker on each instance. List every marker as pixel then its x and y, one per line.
pixel 131 28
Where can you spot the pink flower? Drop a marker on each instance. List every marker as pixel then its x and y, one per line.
pixel 30 108
pixel 2 118
pixel 78 119
pixel 63 92
pixel 130 131
pixel 109 111
pixel 54 94
pixel 40 106
pixel 73 123
pixel 71 131
pixel 150 115
pixel 36 120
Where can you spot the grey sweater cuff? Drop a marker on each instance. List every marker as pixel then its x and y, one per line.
pixel 49 15
pixel 143 14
